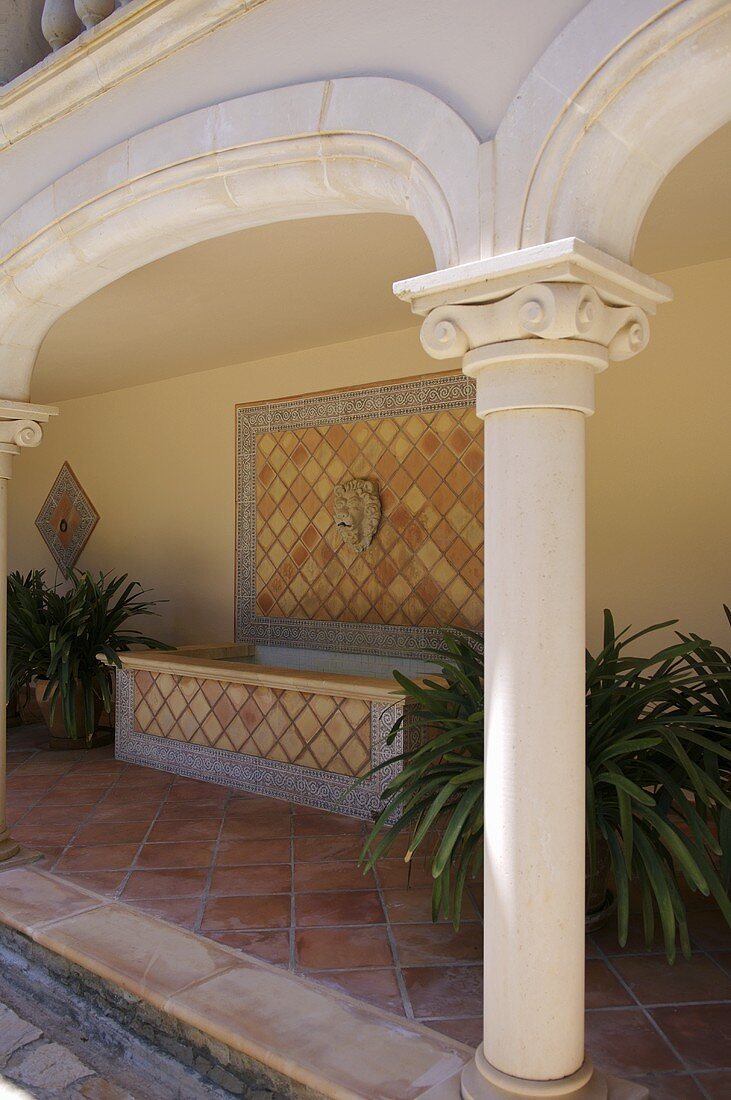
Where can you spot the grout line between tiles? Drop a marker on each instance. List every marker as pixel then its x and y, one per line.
pixel 206 891
pixel 647 1015
pixel 400 981
pixel 132 867
pixel 292 963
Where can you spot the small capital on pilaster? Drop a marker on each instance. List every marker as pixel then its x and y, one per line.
pixel 20 426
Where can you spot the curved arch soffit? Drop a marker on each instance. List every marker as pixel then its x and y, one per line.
pixel 344 146
pixel 613 105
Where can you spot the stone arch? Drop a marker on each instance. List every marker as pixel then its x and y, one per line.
pixel 612 106
pixel 342 146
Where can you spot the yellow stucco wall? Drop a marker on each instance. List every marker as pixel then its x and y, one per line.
pixel 158 464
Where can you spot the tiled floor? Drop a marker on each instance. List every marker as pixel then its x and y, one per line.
pixel 281 882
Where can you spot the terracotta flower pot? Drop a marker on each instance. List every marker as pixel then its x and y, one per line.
pixel 59 738
pixel 600 901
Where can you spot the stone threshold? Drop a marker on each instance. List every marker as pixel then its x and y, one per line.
pixel 305 1040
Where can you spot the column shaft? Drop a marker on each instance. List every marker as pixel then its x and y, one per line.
pixel 8 847
pixel 534 730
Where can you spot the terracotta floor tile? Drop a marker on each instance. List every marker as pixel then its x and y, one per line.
pixel 146 778
pixel 78 803
pixel 723 958
pixel 41 835
pixel 709 930
pixel 444 990
pixel 399 844
pixel 326 824
pixel 603 989
pixel 30 783
pixel 241 853
pixel 166 884
pixel 467 1029
pixel 654 981
pixel 117 795
pixel 103 882
pixel 258 826
pixel 338 875
pixel 623 1041
pixel 119 832
pixel 54 815
pixel 257 804
pixel 99 857
pixel 99 777
pixel 189 811
pixel 214 797
pixel 81 798
pixel 414 906
pixel 49 857
pixel 182 911
pixel 276 879
pixel 181 854
pixel 337 948
pixel 206 830
pixel 318 849
pixel 701 1034
pixel 334 908
pixel 124 811
pixel 606 939
pixel 717 1085
pixel 272 947
pixel 377 987
pixel 43 767
pixel 183 787
pixel 263 912
pixel 395 874
pixel 437 944
pixel 671 1086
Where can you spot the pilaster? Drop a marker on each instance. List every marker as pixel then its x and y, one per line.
pixel 20 427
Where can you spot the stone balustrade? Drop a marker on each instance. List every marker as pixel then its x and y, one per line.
pixel 64 20
pixel 29 27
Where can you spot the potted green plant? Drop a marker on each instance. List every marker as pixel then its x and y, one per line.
pixel 56 636
pixel 656 755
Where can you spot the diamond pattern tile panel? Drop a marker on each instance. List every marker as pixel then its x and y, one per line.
pixel 66 519
pixel 326 732
pixel 424 566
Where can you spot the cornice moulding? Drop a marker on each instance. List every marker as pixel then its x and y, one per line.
pixel 568 260
pixel 125 43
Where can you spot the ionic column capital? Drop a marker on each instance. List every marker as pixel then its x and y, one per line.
pixel 20 426
pixel 535 326
pixel 550 311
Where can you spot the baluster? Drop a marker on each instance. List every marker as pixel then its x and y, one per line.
pixel 91 12
pixel 59 23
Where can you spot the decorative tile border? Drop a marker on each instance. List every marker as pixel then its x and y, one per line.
pixel 308 786
pixel 430 394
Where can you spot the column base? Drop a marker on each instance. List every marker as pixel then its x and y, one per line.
pixel 481 1081
pixel 21 857
pixel 8 847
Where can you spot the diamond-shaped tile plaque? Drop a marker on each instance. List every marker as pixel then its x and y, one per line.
pixel 66 519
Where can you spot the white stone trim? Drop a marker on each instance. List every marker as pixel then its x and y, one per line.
pixel 615 102
pixel 132 39
pixel 333 147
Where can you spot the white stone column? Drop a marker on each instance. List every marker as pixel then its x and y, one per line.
pixel 533 330
pixel 20 426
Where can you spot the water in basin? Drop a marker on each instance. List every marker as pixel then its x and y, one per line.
pixel 344 664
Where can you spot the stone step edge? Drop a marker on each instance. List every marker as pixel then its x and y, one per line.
pixel 319 1041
